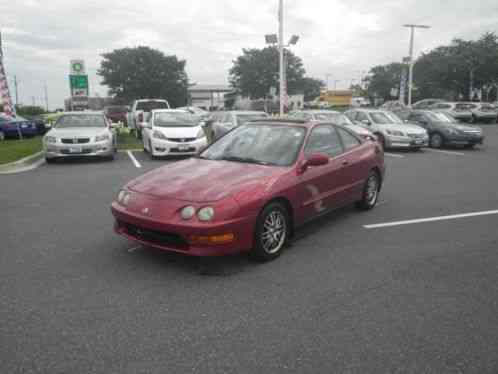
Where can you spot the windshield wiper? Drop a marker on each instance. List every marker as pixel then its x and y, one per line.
pixel 245 159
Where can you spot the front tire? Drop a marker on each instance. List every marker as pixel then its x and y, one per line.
pixel 436 140
pixel 50 160
pixel 370 192
pixel 151 152
pixel 381 140
pixel 272 232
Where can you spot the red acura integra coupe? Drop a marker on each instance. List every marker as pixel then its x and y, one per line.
pixel 250 189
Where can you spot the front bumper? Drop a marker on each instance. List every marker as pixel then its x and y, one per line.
pixel 95 149
pixel 464 139
pixel 407 142
pixel 168 148
pixel 174 236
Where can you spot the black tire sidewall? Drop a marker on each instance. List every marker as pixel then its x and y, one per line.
pixel 364 204
pixel 432 137
pixel 258 251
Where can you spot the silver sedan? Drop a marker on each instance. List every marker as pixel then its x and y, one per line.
pixel 80 134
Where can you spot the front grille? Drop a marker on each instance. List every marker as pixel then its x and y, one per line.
pixel 76 141
pixel 165 239
pixel 181 140
pixel 176 150
pixel 416 136
pixel 83 152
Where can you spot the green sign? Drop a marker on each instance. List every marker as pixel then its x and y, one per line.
pixel 79 82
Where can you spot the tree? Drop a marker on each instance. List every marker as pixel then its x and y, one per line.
pixel 382 79
pixel 29 110
pixel 143 72
pixel 256 71
pixel 311 88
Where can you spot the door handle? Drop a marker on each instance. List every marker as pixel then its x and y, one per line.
pixel 345 162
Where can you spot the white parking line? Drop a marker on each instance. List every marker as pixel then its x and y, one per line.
pixel 380 203
pixel 393 155
pixel 446 152
pixel 134 249
pixel 133 159
pixel 432 219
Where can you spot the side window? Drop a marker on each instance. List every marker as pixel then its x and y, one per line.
pixel 360 116
pixel 348 140
pixel 351 115
pixel 324 139
pixel 298 115
pixel 415 117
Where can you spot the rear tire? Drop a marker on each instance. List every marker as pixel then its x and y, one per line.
pixel 50 160
pixel 271 233
pixel 370 192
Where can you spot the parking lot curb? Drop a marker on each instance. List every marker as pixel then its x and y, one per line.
pixel 24 164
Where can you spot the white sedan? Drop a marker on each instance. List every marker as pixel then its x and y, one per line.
pixel 171 132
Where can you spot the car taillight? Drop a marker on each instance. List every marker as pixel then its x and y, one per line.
pixel 141 117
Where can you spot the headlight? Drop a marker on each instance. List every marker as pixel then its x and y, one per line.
pixel 124 197
pixel 158 135
pixel 101 138
pixel 50 139
pixel 206 214
pixel 452 131
pixel 188 212
pixel 201 134
pixel 395 133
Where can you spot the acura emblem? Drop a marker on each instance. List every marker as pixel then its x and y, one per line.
pixel 145 211
pixel 75 140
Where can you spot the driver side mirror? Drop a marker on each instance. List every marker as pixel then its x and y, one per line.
pixel 365 122
pixel 315 159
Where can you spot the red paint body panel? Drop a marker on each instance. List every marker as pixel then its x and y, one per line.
pixel 237 192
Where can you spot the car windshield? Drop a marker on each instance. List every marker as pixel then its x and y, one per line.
pixel 116 109
pixel 244 118
pixel 147 106
pixel 175 119
pixel 394 118
pixel 380 118
pixel 336 118
pixel 269 144
pixel 80 120
pixel 439 117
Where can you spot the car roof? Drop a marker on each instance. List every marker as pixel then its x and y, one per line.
pixel 246 112
pixel 316 111
pixel 170 111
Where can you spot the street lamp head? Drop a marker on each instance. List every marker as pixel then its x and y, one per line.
pixel 294 40
pixel 417 26
pixel 271 39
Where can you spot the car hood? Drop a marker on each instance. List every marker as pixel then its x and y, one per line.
pixel 179 132
pixel 198 180
pixel 78 132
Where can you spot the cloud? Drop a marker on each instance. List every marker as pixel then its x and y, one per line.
pixel 338 37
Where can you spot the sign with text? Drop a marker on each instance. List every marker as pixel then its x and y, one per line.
pixel 77 67
pixel 79 85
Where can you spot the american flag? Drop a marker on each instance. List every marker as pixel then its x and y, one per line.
pixel 5 98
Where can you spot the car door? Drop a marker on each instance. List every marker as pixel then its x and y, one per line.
pixel 356 164
pixel 320 186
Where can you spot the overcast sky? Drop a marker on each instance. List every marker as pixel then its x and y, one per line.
pixel 338 37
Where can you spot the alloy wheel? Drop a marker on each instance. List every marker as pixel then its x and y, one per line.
pixel 274 232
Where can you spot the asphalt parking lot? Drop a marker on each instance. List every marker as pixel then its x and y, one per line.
pixel 346 297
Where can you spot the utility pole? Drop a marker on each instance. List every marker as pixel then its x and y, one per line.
pixel 46 97
pixel 281 54
pixel 411 62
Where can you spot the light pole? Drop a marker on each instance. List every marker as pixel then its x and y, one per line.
pixel 328 76
pixel 410 67
pixel 335 83
pixel 279 40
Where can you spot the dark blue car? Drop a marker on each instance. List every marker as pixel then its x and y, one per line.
pixel 10 127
